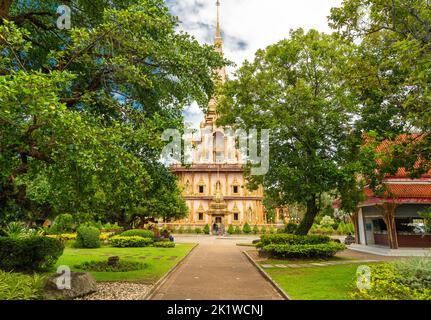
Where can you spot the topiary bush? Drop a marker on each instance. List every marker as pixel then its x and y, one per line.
pixel 291 228
pixel 263 230
pixel 292 239
pixel 304 251
pixel 237 230
pixel 230 229
pixel 207 229
pixel 16 286
pixel 198 231
pixel 33 253
pixel 138 233
pixel 255 229
pixel 164 244
pixel 130 242
pixel 246 228
pixel 87 237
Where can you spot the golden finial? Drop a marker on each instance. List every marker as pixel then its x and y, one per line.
pixel 218 33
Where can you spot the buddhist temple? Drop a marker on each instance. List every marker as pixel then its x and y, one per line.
pixel 214 186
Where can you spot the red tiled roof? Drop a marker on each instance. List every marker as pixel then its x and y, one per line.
pixel 404 190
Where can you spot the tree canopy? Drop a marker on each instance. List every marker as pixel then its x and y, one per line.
pixel 83 110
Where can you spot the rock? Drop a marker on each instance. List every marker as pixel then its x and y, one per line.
pixel 114 261
pixel 81 284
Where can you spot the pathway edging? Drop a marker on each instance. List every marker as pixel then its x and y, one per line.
pixel 267 277
pixel 163 279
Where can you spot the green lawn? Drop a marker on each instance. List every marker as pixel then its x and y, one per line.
pixel 316 283
pixel 158 260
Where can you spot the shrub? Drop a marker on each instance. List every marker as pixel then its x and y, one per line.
pixel 291 228
pixel 87 237
pixel 346 228
pixel 164 244
pixel 16 230
pixel 63 223
pixel 207 229
pixel 388 282
pixel 304 251
pixel 237 230
pixel 198 231
pixel 272 230
pixel 112 227
pixel 29 254
pixel 327 221
pixel 255 229
pixel 16 286
pixel 246 228
pixel 180 230
pixel 103 266
pixel 138 233
pixel 263 230
pixel 292 239
pixel 230 229
pixel 63 237
pixel 130 242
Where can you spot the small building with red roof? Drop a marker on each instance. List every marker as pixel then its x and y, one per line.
pixel 394 219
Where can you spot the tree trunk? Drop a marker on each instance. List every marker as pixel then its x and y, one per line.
pixel 308 220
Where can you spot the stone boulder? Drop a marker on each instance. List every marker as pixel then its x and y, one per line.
pixel 81 284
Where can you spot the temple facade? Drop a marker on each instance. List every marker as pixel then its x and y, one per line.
pixel 214 187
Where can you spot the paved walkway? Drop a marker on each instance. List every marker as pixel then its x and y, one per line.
pixel 216 270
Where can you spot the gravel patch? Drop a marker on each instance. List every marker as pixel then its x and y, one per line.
pixel 119 291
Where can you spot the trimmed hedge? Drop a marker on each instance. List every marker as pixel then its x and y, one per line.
pixel 130 242
pixel 323 250
pixel 164 244
pixel 34 253
pixel 292 239
pixel 138 233
pixel 87 237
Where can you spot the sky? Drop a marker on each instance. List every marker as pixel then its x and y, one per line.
pixel 247 25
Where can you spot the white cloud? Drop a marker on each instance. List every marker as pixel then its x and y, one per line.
pixel 249 25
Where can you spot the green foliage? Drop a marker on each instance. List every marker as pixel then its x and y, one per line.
pixel 292 239
pixel 407 280
pixel 346 228
pixel 180 230
pixel 255 229
pixel 272 230
pixel 198 231
pixel 83 109
pixel 246 228
pixel 63 223
pixel 426 215
pixel 87 237
pixel 237 230
pixel 16 230
pixel 16 286
pixel 112 227
pixel 309 114
pixel 33 253
pixel 304 251
pixel 327 221
pixel 263 230
pixel 207 229
pixel 290 228
pixel 164 244
pixel 103 266
pixel 138 233
pixel 230 229
pixel 130 242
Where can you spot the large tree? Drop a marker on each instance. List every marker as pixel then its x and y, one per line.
pixel 391 77
pixel 295 89
pixel 83 110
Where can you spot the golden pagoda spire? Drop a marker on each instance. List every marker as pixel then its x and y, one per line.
pixel 218 40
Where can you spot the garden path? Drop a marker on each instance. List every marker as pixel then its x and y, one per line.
pixel 216 270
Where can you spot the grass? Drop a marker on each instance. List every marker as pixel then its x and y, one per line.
pixel 316 283
pixel 158 261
